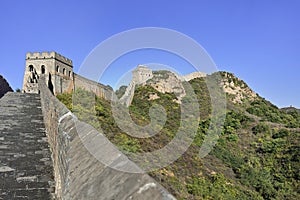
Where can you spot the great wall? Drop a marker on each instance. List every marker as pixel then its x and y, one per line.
pixel 41 153
pixel 59 74
pixel 163 81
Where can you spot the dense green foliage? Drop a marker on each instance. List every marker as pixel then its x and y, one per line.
pixel 271 113
pixel 257 155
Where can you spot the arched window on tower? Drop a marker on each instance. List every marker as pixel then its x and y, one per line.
pixel 69 73
pixel 43 69
pixel 30 68
pixel 64 71
pixel 57 68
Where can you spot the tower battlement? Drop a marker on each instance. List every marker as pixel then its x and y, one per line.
pixel 48 55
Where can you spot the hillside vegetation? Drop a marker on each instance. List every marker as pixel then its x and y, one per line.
pixel 256 157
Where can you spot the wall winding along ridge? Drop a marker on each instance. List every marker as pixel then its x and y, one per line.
pixel 78 174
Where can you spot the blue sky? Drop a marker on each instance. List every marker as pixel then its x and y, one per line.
pixel 259 41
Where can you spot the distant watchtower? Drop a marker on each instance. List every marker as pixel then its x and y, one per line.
pixel 57 69
pixel 141 74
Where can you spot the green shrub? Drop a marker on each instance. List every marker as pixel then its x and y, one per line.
pixel 127 144
pixel 261 128
pixel 66 98
pixel 281 133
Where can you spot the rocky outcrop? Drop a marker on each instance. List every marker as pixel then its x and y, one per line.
pixel 4 87
pixel 167 82
pixel 237 89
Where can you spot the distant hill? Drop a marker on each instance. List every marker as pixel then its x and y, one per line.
pixel 257 155
pixel 290 109
pixel 4 86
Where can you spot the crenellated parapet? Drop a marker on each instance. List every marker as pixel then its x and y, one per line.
pixel 48 55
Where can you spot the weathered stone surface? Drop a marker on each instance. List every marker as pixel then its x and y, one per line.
pixel 4 87
pixel 78 174
pixel 25 160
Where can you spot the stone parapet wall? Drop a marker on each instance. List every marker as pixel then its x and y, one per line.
pixel 78 174
pixel 92 86
pixel 127 98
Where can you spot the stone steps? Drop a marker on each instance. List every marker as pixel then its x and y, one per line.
pixel 25 160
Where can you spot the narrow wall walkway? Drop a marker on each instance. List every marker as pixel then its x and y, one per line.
pixel 25 158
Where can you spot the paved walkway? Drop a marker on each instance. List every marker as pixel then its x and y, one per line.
pixel 25 158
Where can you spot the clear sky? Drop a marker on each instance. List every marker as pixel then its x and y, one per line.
pixel 257 40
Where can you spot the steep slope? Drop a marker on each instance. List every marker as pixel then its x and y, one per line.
pixel 4 87
pixel 237 90
pixel 256 157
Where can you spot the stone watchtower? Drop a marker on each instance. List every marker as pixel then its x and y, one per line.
pixel 57 69
pixel 141 74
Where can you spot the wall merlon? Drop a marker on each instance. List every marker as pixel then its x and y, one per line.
pixel 48 55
